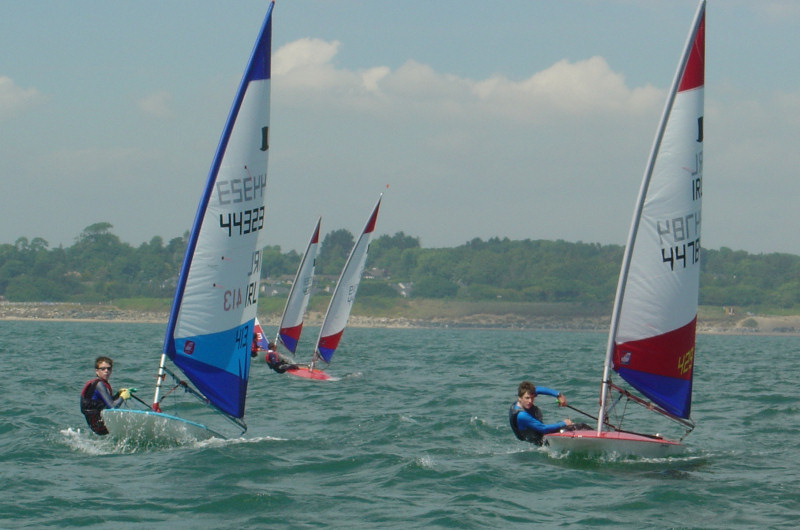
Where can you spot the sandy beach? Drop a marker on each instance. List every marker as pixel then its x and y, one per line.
pixel 748 324
pixel 75 312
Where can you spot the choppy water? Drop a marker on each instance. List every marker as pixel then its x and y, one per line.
pixel 414 434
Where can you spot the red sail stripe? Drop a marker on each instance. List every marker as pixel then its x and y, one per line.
pixel 315 237
pixel 694 72
pixel 670 354
pixel 293 331
pixel 371 223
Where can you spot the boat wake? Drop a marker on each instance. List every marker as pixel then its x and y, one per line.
pixel 624 461
pixel 85 441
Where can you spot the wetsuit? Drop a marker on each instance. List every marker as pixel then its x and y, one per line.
pixel 277 363
pixel 527 424
pixel 96 396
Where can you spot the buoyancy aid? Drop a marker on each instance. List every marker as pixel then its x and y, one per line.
pixel 275 361
pixel 526 435
pixel 92 405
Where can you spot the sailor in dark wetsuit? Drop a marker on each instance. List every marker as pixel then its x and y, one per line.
pixel 275 361
pixel 526 418
pixel 97 395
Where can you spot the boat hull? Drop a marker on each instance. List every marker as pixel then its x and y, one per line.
pixel 622 444
pixel 145 426
pixel 305 373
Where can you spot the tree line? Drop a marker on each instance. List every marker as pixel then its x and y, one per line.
pixel 99 267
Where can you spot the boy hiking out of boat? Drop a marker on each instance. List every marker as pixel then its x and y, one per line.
pixel 97 395
pixel 275 361
pixel 526 418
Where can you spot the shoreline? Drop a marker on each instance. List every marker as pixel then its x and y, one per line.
pixel 76 312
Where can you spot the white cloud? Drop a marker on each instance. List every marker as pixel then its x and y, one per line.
pixel 157 104
pixel 307 74
pixel 373 76
pixel 586 87
pixel 304 55
pixel 15 99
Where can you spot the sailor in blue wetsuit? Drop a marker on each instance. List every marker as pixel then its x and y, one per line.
pixel 526 418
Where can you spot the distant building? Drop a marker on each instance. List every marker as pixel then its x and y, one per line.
pixel 376 274
pixel 403 288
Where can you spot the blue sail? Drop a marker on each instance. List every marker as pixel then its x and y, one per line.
pixel 211 323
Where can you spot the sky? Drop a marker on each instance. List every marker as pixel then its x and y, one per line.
pixel 526 119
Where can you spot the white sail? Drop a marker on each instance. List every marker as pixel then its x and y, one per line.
pixel 344 293
pixel 293 313
pixel 652 336
pixel 651 342
pixel 211 323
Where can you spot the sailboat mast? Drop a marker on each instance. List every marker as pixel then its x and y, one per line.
pixel 637 214
pixel 159 379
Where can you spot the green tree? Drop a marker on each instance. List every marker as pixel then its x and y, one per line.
pixel 333 251
pixel 274 263
pixel 431 287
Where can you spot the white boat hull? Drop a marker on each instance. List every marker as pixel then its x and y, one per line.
pixel 148 427
pixel 608 443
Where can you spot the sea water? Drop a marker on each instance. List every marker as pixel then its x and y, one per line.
pixel 414 433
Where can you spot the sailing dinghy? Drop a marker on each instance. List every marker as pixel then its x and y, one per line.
pixel 344 294
pixel 296 303
pixel 259 337
pixel 211 323
pixel 651 343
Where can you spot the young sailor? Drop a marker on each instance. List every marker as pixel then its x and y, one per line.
pixel 254 348
pixel 526 418
pixel 97 395
pixel 275 361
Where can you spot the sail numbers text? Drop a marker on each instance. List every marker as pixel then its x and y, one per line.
pixel 679 237
pixel 242 223
pixel 234 298
pixel 682 255
pixel 243 337
pixel 696 183
pixel 686 361
pixel 351 293
pixel 244 189
pixel 682 235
